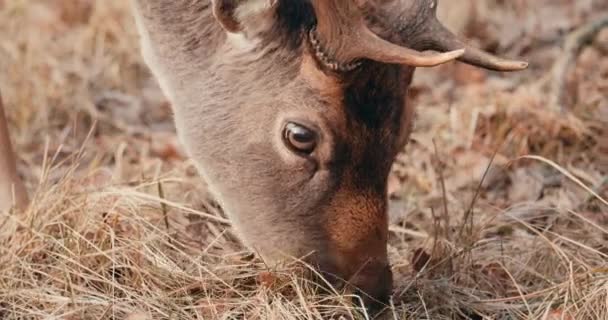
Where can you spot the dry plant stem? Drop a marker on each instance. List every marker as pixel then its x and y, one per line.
pixel 575 41
pixel 12 190
pixel 446 214
pixel 468 215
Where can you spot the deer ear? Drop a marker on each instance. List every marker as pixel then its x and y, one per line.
pixel 232 13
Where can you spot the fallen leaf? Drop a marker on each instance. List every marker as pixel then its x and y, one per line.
pixel 559 314
pixel 267 279
pixel 420 259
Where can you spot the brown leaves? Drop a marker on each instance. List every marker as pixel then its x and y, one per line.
pixel 559 314
pixel 494 270
pixel 420 259
pixel 75 12
pixel 167 147
pixel 267 279
pixel 434 259
pixel 61 15
pixel 277 283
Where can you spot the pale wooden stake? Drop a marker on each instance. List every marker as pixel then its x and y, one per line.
pixel 12 190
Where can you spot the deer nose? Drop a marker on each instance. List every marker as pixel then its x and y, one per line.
pixel 374 284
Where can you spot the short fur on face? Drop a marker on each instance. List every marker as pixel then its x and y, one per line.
pixel 233 93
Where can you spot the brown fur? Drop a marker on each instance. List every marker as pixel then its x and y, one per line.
pixel 232 93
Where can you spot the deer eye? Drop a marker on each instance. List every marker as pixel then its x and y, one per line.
pixel 299 138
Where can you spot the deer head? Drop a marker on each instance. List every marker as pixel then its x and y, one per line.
pixel 294 110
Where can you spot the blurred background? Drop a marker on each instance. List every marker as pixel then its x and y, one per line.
pixel 68 64
pixel 81 104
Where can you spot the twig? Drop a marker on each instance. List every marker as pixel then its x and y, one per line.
pixel 12 190
pixel 161 194
pixel 574 42
pixel 468 215
pixel 446 213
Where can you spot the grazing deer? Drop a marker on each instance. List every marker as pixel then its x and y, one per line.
pixel 294 111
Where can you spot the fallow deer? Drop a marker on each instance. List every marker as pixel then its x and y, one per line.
pixel 294 111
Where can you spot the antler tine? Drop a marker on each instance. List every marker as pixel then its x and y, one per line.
pixel 442 39
pixel 342 30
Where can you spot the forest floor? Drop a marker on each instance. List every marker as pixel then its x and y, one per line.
pixel 498 204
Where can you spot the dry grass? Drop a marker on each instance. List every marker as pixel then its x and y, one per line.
pixel 121 226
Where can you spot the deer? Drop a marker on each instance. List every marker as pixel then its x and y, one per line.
pixel 293 112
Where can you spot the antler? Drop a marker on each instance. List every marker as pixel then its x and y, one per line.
pixel 418 26
pixel 442 39
pixel 342 33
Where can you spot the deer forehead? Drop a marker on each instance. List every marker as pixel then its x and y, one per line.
pixel 326 85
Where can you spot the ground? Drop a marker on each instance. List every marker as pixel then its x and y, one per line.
pixel 498 204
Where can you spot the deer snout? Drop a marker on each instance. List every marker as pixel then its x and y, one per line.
pixel 358 229
pixel 374 284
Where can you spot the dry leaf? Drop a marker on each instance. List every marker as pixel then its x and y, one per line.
pixel 267 279
pixel 420 259
pixel 559 314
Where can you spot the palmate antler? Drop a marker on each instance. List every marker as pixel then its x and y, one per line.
pixel 342 33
